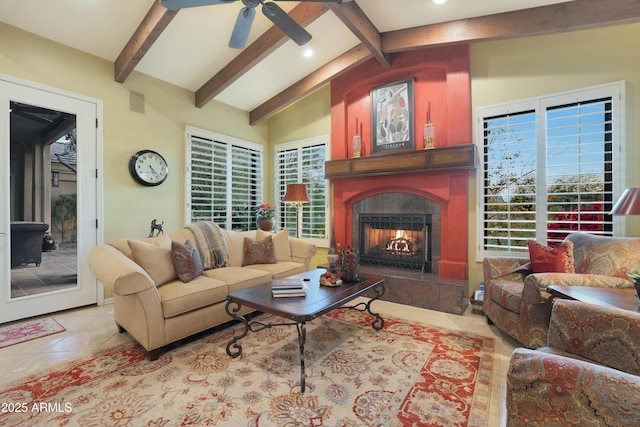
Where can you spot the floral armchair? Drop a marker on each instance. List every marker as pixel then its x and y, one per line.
pixel 589 375
pixel 516 300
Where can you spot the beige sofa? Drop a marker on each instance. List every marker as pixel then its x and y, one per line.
pixel 157 314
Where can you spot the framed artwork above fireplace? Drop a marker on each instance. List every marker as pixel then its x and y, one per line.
pixel 392 117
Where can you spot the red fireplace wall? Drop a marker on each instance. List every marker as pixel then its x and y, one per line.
pixel 441 80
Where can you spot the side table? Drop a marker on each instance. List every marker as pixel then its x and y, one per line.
pixel 624 298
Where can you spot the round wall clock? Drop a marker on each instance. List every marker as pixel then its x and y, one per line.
pixel 148 168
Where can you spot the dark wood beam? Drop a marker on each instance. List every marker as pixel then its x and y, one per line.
pixel 313 81
pixel 556 18
pixel 551 19
pixel 154 23
pixel 304 14
pixel 355 20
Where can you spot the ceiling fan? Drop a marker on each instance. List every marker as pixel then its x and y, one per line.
pixel 245 18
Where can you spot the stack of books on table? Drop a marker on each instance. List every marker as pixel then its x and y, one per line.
pixel 288 288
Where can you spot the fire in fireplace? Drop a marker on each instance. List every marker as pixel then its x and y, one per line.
pixel 396 240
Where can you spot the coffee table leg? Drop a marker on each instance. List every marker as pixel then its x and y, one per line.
pixel 233 348
pixel 302 338
pixel 378 321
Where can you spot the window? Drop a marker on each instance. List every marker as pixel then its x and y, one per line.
pixel 550 167
pixel 296 162
pixel 224 179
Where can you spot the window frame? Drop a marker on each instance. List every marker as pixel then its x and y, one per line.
pixel 193 132
pixel 541 106
pixel 278 193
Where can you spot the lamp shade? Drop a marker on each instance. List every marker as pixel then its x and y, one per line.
pixel 629 203
pixel 296 193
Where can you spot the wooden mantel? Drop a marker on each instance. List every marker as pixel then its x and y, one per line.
pixel 415 161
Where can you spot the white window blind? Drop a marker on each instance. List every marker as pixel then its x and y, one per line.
pixel 550 167
pixel 303 162
pixel 225 180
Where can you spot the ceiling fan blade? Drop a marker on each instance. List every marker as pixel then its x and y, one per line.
pixel 242 28
pixel 320 1
pixel 183 4
pixel 287 24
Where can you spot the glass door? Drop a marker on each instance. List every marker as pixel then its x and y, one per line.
pixel 48 184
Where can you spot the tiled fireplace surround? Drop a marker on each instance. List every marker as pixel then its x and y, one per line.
pixel 441 80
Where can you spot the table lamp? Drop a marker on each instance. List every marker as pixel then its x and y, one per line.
pixel 296 194
pixel 628 203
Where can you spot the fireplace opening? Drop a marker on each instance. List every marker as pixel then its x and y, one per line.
pixel 398 240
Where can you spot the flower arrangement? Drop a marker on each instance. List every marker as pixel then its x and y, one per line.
pixel 265 211
pixel 47 237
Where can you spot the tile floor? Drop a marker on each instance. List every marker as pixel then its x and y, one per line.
pixel 58 270
pixel 92 328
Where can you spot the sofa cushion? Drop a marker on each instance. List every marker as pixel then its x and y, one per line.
pixel 281 269
pixel 258 252
pixel 154 258
pixel 235 243
pixel 507 294
pixel 239 277
pixel 178 297
pixel 186 260
pixel 545 259
pixel 281 245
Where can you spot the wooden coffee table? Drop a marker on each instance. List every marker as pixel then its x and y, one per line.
pixel 621 298
pixel 317 301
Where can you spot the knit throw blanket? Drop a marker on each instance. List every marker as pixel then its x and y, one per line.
pixel 211 244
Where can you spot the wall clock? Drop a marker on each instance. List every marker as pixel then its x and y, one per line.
pixel 148 168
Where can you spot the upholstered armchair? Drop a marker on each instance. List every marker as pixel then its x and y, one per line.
pixel 516 299
pixel 589 375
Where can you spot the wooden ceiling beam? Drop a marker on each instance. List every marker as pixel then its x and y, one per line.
pixel 355 20
pixel 304 14
pixel 555 18
pixel 154 23
pixel 313 81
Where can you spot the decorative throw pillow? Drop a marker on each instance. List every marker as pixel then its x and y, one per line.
pixel 154 258
pixel 186 260
pixel 551 260
pixel 258 252
pixel 281 245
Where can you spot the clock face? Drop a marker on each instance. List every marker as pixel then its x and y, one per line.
pixel 148 167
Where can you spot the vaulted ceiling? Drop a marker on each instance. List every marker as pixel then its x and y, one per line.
pixel 189 47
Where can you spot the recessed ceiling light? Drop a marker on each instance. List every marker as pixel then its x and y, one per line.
pixel 308 53
pixel 439 1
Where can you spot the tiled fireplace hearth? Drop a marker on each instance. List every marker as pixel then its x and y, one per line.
pixel 408 185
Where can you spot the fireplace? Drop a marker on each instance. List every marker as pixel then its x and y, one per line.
pixel 430 183
pixel 396 240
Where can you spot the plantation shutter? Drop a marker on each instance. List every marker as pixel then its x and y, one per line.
pixel 509 180
pixel 579 169
pixel 225 181
pixel 303 163
pixel 550 168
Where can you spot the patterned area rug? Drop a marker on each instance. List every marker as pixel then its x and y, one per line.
pixel 408 374
pixel 27 331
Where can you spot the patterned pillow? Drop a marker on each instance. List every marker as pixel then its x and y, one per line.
pixel 545 259
pixel 186 260
pixel 258 252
